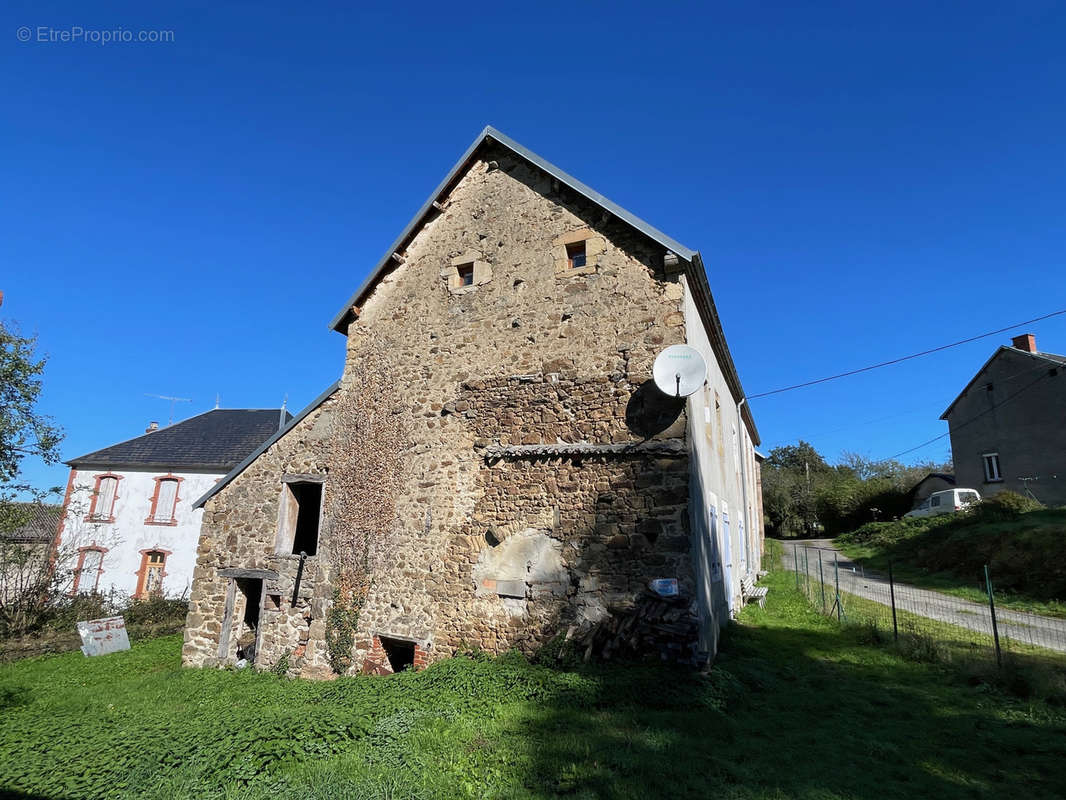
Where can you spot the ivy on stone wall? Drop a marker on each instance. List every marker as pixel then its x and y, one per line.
pixel 365 478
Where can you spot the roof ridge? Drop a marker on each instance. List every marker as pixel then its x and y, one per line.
pixel 157 433
pixel 489 132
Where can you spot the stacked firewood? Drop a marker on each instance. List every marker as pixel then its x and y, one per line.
pixel 660 628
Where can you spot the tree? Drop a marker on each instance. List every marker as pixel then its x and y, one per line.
pixel 23 430
pixel 803 494
pixel 791 475
pixel 29 573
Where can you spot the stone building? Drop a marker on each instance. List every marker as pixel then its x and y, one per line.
pixel 27 539
pixel 495 467
pixel 1007 425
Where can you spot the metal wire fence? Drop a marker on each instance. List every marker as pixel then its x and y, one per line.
pixel 844 590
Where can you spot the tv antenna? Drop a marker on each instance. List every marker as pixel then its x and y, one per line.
pixel 172 400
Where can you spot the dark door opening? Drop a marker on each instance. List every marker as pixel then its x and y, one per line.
pixel 308 497
pixel 247 640
pixel 401 654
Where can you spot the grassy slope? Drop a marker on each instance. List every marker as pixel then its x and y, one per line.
pixel 1027 557
pixel 795 708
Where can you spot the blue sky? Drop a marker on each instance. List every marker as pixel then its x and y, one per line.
pixel 863 180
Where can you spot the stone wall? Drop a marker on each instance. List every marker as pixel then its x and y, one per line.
pixel 485 551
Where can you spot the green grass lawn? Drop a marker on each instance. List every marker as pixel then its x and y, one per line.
pixel 795 708
pixel 1027 556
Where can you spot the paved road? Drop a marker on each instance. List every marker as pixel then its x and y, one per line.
pixel 1048 632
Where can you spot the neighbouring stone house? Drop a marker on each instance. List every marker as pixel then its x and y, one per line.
pixel 1007 426
pixel 129 525
pixel 27 536
pixel 495 467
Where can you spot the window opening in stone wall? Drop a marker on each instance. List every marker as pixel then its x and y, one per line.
pixel 401 654
pixel 301 508
pixel 464 275
pixel 575 255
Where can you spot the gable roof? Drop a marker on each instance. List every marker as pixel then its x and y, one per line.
pixel 1050 358
pixel 262 448
pixel 214 440
pixel 29 523
pixel 691 260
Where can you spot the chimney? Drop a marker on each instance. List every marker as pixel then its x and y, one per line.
pixel 153 426
pixel 1026 342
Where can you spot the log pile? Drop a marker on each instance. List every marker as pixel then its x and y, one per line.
pixel 652 627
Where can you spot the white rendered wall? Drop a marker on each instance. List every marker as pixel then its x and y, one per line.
pixel 722 483
pixel 129 534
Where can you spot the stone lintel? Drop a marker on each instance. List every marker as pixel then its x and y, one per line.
pixel 242 572
pixel 302 477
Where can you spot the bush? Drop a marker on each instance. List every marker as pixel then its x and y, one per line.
pixel 1005 506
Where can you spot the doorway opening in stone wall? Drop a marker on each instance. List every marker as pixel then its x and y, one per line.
pixel 300 515
pixel 401 654
pixel 251 590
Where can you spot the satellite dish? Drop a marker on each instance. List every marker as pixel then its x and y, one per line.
pixel 679 370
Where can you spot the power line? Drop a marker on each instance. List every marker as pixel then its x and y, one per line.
pixel 905 358
pixel 991 408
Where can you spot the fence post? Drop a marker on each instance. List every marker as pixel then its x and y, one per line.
pixel 836 575
pixel 821 580
pixel 796 565
pixel 807 569
pixel 992 608
pixel 892 594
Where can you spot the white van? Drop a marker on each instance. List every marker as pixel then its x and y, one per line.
pixel 946 502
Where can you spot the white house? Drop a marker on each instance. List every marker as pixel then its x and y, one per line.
pixel 128 523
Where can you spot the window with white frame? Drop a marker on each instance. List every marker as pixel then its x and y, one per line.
pixel 991 462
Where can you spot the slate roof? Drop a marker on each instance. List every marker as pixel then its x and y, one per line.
pixel 215 440
pixel 262 448
pixel 1047 357
pixel 29 522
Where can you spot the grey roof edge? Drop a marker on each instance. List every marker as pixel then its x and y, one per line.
pixel 701 291
pixel 292 423
pixel 1051 358
pixel 150 466
pixel 73 462
pixel 563 177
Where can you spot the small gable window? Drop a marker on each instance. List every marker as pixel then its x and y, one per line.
pixel 575 255
pixel 466 272
pixel 103 502
pixel 578 252
pixel 164 501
